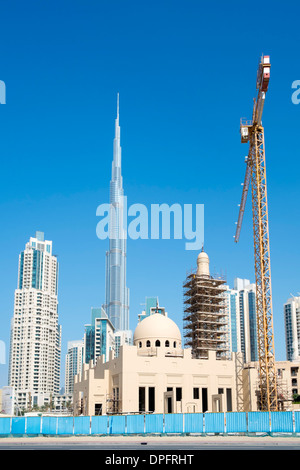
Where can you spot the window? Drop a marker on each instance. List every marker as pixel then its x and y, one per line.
pixel 157 343
pixel 204 400
pixel 174 344
pixel 229 399
pixel 178 394
pixel 151 396
pixel 167 344
pixel 142 399
pixel 148 344
pixel 140 344
pixel 98 409
pixel 196 393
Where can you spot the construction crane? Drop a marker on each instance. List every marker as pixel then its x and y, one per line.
pixel 253 132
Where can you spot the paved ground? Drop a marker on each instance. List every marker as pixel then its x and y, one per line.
pixel 173 444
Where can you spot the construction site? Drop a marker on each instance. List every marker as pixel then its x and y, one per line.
pixel 205 314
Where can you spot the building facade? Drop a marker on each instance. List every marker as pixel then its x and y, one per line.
pixel 287 383
pixel 151 306
pixel 74 361
pixel 292 328
pixel 241 301
pixel 99 336
pixel 35 343
pixel 156 375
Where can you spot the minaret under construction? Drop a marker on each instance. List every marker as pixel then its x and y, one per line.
pixel 117 294
pixel 205 313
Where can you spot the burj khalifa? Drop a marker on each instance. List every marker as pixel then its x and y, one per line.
pixel 116 291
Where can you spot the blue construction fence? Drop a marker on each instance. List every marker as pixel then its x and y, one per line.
pixel 181 423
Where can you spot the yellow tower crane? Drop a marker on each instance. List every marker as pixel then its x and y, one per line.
pixel 253 132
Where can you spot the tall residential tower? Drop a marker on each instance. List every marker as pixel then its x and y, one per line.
pixel 292 329
pixel 35 345
pixel 117 294
pixel 242 319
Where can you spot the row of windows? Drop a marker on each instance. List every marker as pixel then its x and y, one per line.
pixel 157 343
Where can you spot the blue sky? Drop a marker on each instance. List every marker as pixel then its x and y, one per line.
pixel 186 73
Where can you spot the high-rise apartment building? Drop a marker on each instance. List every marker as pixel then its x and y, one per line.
pixel 35 344
pixel 99 336
pixel 117 293
pixel 292 328
pixel 74 361
pixel 151 306
pixel 241 303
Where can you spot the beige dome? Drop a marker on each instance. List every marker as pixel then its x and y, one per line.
pixel 157 327
pixel 203 264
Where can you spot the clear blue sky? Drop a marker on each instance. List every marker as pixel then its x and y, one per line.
pixel 186 73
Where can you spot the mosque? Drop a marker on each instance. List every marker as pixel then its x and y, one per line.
pixel 157 374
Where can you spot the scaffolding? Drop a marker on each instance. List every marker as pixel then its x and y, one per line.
pixel 113 402
pixel 206 316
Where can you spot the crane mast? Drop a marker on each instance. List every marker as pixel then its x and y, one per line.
pixel 253 132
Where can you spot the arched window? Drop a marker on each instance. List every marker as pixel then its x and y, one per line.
pixel 167 344
pixel 157 342
pixel 140 344
pixel 148 344
pixel 174 344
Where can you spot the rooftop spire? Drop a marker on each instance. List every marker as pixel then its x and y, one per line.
pixel 117 146
pixel 118 107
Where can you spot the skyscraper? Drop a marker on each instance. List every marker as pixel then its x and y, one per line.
pixel 242 319
pixel 74 361
pixel 35 345
pixel 151 306
pixel 292 330
pixel 98 337
pixel 117 293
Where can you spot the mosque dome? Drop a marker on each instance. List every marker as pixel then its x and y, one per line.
pixel 157 330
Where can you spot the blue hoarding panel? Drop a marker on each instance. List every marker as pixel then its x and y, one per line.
pixel 281 421
pixel 65 425
pixel 99 425
pixel 18 425
pixel 174 423
pixel 297 421
pixel 214 422
pixel 117 424
pixel 5 426
pixel 33 425
pixel 258 421
pixel 193 422
pixel 154 423
pixel 82 425
pixel 49 424
pixel 236 422
pixel 135 424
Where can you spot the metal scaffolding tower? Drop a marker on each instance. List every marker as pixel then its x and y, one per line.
pixel 205 319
